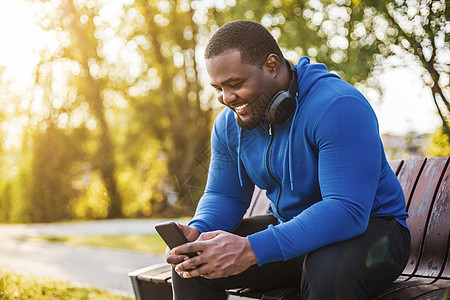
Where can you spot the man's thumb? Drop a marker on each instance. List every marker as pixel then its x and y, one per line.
pixel 208 235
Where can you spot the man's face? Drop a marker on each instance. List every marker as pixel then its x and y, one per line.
pixel 244 88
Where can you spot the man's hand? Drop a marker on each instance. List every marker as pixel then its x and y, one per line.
pixel 221 254
pixel 191 234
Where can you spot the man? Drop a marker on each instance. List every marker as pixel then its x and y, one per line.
pixel 337 223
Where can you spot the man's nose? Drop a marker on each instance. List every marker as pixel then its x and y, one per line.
pixel 228 97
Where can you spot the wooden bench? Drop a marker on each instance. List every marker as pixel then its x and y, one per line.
pixel 426 184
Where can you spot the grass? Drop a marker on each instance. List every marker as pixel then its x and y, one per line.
pixel 14 286
pixel 150 243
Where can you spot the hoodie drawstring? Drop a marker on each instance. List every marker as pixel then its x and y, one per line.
pixel 239 156
pixel 290 142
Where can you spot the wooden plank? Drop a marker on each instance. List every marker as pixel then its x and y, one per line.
pixel 444 196
pixel 443 283
pixel 148 270
pixel 435 245
pixel 446 273
pixel 156 274
pixel 245 292
pixel 420 181
pixel 396 165
pixel 397 286
pixel 420 207
pixel 412 292
pixel 409 174
pixel 162 277
pixel 402 278
pixel 440 294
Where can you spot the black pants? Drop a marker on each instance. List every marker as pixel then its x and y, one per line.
pixel 354 269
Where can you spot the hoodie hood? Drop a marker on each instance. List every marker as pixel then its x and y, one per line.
pixel 307 75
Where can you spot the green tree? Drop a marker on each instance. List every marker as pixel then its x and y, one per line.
pixel 81 88
pixel 123 106
pixel 421 29
pixel 439 145
pixel 353 37
pixel 78 20
pixel 145 59
pixel 54 156
pixel 175 112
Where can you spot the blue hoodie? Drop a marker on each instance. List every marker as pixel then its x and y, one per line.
pixel 324 171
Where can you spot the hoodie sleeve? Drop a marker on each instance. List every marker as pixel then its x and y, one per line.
pixel 349 158
pixel 224 201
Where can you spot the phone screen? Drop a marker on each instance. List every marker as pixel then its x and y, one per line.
pixel 172 235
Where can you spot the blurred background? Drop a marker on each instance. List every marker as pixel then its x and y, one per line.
pixel 106 108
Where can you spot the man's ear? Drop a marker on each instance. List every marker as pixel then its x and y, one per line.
pixel 272 64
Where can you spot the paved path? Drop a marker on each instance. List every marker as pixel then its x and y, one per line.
pixel 99 267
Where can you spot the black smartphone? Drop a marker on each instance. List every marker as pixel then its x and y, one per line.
pixel 172 235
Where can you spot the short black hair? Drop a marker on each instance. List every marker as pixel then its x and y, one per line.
pixel 251 39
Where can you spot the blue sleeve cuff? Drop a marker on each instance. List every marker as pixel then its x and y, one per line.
pixel 265 245
pixel 201 226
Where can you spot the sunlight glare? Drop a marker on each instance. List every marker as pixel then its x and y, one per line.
pixel 21 39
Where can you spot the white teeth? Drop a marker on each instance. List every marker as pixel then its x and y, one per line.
pixel 241 106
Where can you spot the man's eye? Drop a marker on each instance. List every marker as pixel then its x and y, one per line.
pixel 236 85
pixel 218 89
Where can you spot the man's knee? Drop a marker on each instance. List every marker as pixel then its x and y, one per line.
pixel 326 275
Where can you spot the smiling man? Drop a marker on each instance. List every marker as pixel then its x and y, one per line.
pixel 336 226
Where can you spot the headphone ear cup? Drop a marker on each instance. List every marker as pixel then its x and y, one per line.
pixel 281 108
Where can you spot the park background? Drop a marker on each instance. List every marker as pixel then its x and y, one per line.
pixel 106 108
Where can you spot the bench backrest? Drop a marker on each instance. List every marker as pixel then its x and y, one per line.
pixel 426 184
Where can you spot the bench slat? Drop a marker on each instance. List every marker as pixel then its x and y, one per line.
pixel 160 273
pixel 426 184
pixel 396 165
pixel 443 212
pixel 446 273
pixel 420 208
pixel 401 288
pixel 413 290
pixel 161 277
pixel 408 176
pixel 150 269
pixel 436 294
pixel 435 245
pixel 244 292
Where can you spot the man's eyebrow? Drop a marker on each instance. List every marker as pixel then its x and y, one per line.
pixel 229 80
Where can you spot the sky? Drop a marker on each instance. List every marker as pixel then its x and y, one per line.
pixel 18 37
pixel 406 105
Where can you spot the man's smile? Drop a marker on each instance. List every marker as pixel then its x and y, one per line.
pixel 240 108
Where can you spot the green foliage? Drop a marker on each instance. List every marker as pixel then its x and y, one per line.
pixel 439 145
pixel 353 38
pixel 52 173
pixel 92 203
pixel 118 121
pixel 140 179
pixel 13 286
